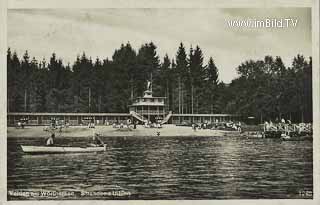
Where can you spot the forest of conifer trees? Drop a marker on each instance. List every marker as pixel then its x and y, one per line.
pixel 264 88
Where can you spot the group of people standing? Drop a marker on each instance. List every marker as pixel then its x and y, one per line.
pixel 287 125
pixel 218 126
pixel 278 125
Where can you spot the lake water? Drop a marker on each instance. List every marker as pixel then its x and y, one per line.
pixel 164 168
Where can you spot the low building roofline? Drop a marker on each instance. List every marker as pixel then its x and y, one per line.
pixel 67 114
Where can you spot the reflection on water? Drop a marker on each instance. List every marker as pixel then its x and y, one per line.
pixel 168 168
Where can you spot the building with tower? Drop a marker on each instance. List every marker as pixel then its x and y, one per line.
pixel 149 108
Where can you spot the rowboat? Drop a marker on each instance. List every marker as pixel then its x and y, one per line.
pixel 57 150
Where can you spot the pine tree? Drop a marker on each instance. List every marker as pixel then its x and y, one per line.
pixel 25 85
pixel 212 94
pixel 181 75
pixel 197 76
pixel 148 67
pixel 165 80
pixel 123 69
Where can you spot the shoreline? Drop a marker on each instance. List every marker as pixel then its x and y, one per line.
pixel 109 131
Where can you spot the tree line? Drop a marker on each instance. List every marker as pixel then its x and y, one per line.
pixel 265 89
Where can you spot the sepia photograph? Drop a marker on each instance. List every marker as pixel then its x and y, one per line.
pixel 159 103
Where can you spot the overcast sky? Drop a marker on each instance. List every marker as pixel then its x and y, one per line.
pixel 98 32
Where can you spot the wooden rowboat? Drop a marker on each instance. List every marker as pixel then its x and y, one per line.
pixel 56 150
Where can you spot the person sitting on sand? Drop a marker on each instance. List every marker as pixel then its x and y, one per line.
pixel 50 140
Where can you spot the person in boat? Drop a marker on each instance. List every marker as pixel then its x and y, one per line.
pixel 50 140
pixel 96 141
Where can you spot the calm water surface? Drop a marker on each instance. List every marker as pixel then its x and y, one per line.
pixel 166 168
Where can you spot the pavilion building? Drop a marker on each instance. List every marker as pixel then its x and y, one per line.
pixel 149 108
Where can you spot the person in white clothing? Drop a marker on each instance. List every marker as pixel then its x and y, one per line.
pixel 50 140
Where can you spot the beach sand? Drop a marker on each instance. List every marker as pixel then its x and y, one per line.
pixel 84 131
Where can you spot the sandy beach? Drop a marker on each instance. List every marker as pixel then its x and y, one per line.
pixel 84 131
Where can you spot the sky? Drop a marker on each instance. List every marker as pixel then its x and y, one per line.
pixel 98 32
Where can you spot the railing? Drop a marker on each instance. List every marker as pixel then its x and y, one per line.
pixel 154 112
pixel 166 119
pixel 138 116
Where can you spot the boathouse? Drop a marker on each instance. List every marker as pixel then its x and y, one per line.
pixel 110 118
pixel 71 118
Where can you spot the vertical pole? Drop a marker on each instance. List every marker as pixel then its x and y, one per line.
pixel 167 95
pixel 89 99
pixel 290 117
pixel 100 103
pixel 179 90
pixel 182 103
pixel 151 83
pixel 131 89
pixel 192 99
pixel 197 105
pixel 30 102
pixel 25 100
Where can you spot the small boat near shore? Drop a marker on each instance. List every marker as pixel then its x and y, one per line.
pixel 60 149
pixel 301 138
